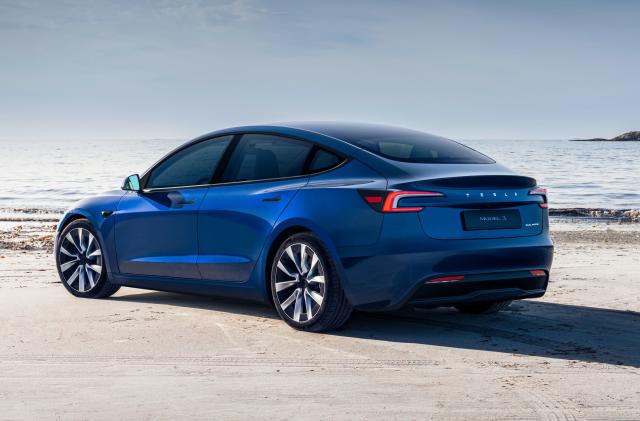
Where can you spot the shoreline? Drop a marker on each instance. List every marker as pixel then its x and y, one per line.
pixel 597 214
pixel 33 235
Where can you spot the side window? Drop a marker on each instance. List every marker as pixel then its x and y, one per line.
pixel 323 160
pixel 191 166
pixel 261 157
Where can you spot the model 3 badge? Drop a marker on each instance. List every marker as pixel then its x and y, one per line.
pixel 493 218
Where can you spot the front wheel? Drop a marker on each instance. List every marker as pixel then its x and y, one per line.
pixel 80 262
pixel 483 308
pixel 305 286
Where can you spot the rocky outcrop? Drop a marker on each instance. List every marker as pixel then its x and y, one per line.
pixel 628 136
pixel 625 137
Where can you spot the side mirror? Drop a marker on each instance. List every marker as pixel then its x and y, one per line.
pixel 131 183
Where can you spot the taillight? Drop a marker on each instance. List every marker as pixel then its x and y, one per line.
pixel 538 273
pixel 543 193
pixel 389 201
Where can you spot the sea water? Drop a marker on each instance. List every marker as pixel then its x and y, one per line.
pixel 42 178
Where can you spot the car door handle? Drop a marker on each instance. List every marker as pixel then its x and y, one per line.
pixel 185 202
pixel 272 199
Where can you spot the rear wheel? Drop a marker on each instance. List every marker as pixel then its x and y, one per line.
pixel 305 286
pixel 484 308
pixel 80 262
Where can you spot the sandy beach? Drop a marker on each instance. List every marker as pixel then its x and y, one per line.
pixel 572 354
pixel 425 146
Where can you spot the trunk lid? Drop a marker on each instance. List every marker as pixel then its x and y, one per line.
pixel 476 204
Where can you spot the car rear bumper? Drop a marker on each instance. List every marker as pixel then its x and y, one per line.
pixel 496 269
pixel 479 288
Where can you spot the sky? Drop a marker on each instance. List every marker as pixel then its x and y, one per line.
pixel 176 69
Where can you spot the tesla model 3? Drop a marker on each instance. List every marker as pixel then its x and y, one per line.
pixel 316 219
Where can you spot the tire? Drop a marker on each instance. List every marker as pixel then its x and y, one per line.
pixel 80 262
pixel 306 287
pixel 484 308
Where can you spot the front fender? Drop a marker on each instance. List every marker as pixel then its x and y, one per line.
pixel 91 209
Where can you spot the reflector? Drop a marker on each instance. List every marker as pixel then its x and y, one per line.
pixel 447 279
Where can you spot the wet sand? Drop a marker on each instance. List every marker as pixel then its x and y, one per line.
pixel 572 354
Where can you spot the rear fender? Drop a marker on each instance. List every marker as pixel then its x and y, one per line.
pixel 259 277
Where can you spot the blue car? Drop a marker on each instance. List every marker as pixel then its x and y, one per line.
pixel 316 219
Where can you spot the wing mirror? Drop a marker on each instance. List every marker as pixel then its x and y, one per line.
pixel 131 183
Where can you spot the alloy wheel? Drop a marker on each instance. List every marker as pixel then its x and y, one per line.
pixel 300 283
pixel 80 260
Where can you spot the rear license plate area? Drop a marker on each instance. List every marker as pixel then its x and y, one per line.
pixel 491 219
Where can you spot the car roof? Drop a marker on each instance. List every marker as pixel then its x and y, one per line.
pixel 341 130
pixel 325 133
pixel 335 135
pixel 338 136
pixel 346 131
pixel 336 128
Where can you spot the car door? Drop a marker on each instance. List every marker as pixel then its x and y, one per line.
pixel 237 215
pixel 156 229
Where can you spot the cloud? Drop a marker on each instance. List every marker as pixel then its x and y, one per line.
pixel 463 69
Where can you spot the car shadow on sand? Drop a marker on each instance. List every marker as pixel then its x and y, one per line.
pixel 535 328
pixel 226 305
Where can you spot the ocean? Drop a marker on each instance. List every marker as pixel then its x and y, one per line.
pixel 41 179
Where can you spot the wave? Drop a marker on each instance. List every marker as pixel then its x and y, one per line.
pixel 30 214
pixel 619 215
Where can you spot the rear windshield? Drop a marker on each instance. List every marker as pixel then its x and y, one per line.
pixel 408 145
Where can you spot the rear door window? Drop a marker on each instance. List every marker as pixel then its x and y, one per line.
pixel 264 157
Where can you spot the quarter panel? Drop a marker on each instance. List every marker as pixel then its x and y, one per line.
pixel 332 201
